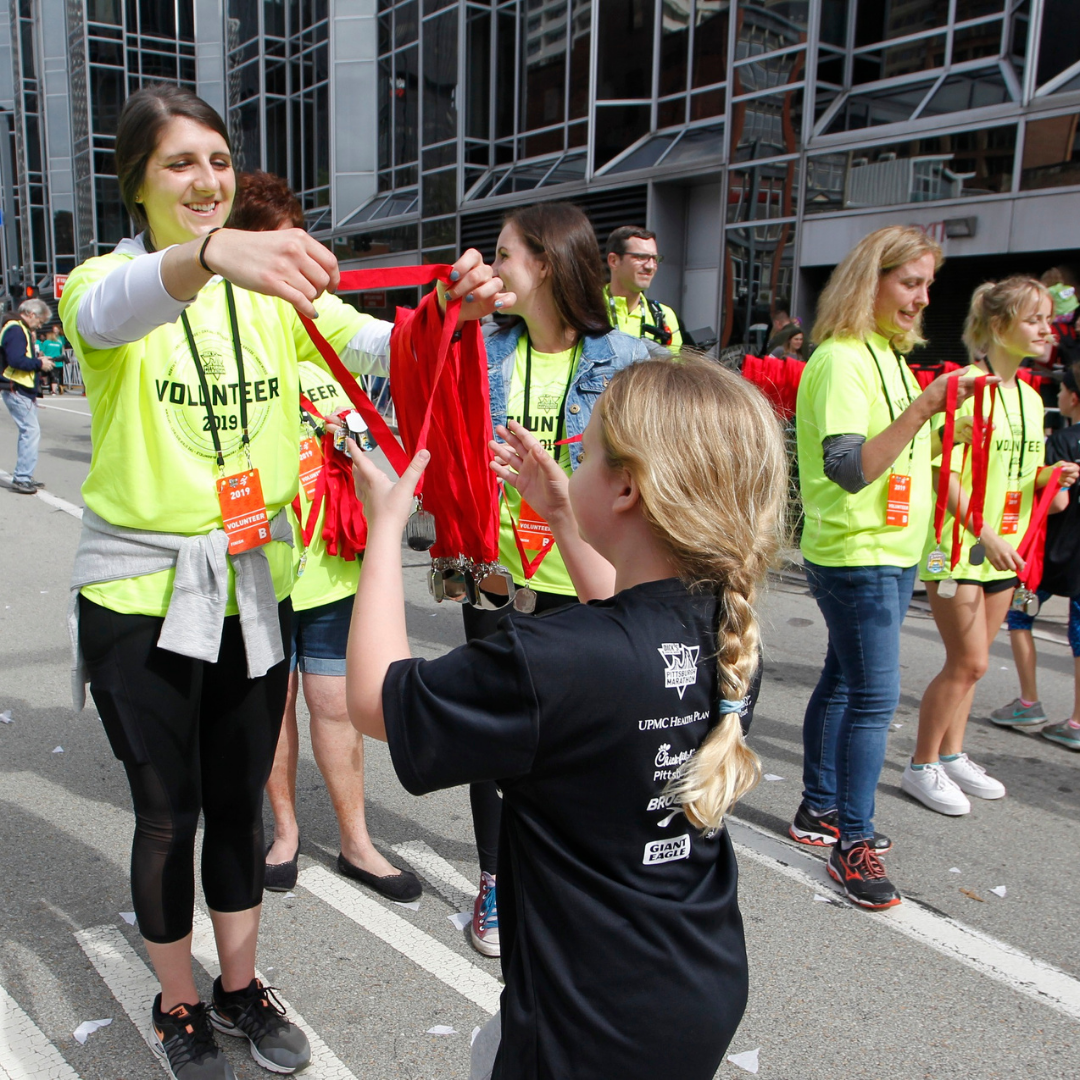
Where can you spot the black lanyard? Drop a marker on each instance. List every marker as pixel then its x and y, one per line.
pixel 525 418
pixel 888 400
pixel 1023 428
pixel 211 422
pixel 642 312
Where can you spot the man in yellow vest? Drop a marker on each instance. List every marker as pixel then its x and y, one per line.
pixel 19 389
pixel 632 260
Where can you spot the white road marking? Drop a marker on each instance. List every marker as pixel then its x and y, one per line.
pixel 325 1064
pixel 129 980
pixel 60 408
pixel 25 1052
pixel 995 959
pixel 51 500
pixel 434 957
pixel 456 889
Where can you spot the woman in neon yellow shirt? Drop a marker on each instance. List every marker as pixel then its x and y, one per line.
pixel 1008 322
pixel 864 471
pixel 189 344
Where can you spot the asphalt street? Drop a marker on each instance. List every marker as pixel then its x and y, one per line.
pixel 957 982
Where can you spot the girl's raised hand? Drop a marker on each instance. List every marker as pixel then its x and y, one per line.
pixel 383 499
pixel 479 287
pixel 522 462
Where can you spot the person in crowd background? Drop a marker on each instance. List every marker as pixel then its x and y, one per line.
pixel 546 370
pixel 322 601
pixel 180 624
pixel 20 388
pixel 1061 577
pixel 51 344
pixel 788 343
pixel 1007 322
pixel 864 446
pixel 618 881
pixel 632 261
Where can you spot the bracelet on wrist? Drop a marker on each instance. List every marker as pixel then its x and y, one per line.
pixel 202 250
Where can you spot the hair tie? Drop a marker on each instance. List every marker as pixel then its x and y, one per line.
pixel 730 706
pixel 202 250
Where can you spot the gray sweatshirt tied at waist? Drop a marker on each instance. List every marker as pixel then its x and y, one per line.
pixel 195 619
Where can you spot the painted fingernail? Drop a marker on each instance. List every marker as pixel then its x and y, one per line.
pixel 469 298
pixel 498 303
pixel 454 275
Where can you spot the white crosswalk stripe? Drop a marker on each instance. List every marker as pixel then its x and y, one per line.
pixel 446 965
pixel 454 887
pixel 129 980
pixel 325 1064
pixel 25 1052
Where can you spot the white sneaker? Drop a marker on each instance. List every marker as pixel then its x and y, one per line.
pixel 972 779
pixel 935 789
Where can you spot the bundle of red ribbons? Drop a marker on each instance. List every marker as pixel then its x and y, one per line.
pixel 440 391
pixel 777 378
pixel 1030 548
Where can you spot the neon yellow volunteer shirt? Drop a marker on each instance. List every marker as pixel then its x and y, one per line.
pixel 153 462
pixel 841 393
pixel 1018 421
pixel 551 376
pixel 326 577
pixel 629 318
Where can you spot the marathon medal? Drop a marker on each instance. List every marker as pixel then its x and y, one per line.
pixel 420 528
pixel 977 555
pixel 525 600
pixel 935 562
pixel 1025 601
pixel 946 589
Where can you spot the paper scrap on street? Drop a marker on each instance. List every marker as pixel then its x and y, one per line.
pixel 128 917
pixel 87 1028
pixel 461 919
pixel 287 895
pixel 772 776
pixel 5 717
pixel 412 905
pixel 822 899
pixel 974 896
pixel 58 749
pixel 954 869
pixel 747 1060
pixel 897 727
pixel 999 890
pixel 441 1029
pixel 472 1037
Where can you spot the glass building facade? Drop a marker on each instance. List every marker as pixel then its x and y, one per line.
pixel 759 138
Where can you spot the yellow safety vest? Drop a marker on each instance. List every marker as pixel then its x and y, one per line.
pixel 18 375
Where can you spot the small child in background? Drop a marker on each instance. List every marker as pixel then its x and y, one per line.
pixel 1061 577
pixel 614 728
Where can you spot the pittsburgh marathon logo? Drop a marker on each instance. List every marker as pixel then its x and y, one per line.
pixel 180 393
pixel 681 669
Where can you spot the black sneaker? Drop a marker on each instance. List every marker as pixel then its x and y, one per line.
pixel 823 830
pixel 184 1040
pixel 256 1014
pixel 862 876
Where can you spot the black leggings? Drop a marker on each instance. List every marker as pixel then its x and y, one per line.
pixel 484 798
pixel 193 737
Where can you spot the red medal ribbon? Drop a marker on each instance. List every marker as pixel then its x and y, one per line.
pixel 982 430
pixel 528 566
pixel 1031 546
pixel 952 388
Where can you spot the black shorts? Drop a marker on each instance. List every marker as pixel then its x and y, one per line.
pixel 991 587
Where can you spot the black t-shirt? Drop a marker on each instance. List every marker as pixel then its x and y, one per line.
pixel 622 942
pixel 1061 566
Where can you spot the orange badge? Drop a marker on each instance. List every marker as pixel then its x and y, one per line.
pixel 243 511
pixel 1010 518
pixel 311 463
pixel 899 502
pixel 534 531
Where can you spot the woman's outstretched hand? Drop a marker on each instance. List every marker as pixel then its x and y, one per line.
pixel 522 462
pixel 478 286
pixel 385 500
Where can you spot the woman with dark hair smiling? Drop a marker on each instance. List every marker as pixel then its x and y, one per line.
pixel 546 370
pixel 189 343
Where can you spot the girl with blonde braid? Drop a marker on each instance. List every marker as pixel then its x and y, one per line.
pixel 614 728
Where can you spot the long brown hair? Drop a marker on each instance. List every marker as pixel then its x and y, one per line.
pixel 144 117
pixel 560 233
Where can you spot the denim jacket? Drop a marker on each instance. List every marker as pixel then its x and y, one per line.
pixel 601 356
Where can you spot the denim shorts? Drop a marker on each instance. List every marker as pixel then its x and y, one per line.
pixel 320 636
pixel 1017 620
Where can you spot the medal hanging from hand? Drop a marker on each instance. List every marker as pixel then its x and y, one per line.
pixel 240 496
pixel 1030 548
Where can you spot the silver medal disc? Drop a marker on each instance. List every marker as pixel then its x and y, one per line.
pixel 946 589
pixel 525 600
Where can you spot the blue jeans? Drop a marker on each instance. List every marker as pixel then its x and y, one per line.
pixel 847 720
pixel 23 411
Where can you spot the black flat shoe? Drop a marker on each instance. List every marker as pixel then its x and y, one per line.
pixel 281 877
pixel 402 887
